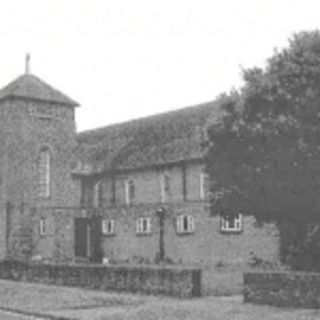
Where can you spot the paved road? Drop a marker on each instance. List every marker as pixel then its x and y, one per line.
pixel 15 316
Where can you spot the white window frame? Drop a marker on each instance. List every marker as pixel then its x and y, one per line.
pixel 204 179
pixel 43 227
pixel 108 227
pixel 127 191
pixel 44 173
pixel 237 223
pixel 190 224
pixel 143 225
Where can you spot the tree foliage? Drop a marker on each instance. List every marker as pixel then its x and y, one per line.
pixel 264 150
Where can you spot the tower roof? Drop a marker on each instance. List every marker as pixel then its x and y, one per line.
pixel 31 87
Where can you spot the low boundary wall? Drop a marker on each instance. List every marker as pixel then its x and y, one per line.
pixel 177 281
pixel 284 289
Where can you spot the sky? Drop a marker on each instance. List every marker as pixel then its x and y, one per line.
pixel 125 59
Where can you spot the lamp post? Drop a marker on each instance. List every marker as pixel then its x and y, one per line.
pixel 161 215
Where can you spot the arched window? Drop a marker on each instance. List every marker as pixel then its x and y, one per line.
pixel 44 173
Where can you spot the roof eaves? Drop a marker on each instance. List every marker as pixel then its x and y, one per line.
pixel 52 101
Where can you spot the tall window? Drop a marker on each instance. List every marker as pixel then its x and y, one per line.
pixel 44 173
pixel 129 191
pixel 98 194
pixel 204 185
pixel 165 187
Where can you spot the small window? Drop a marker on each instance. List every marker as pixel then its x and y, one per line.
pixel 108 227
pixel 43 227
pixel 44 112
pixel 231 223
pixel 165 187
pixel 143 225
pixel 185 224
pixel 204 185
pixel 129 191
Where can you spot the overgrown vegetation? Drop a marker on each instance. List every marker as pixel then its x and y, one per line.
pixel 264 150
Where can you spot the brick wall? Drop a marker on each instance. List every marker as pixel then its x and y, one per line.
pixel 57 244
pixel 22 134
pixel 26 134
pixel 283 289
pixel 147 184
pixel 206 246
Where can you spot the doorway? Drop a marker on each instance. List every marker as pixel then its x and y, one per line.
pixel 87 233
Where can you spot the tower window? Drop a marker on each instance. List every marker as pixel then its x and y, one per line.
pixel 44 173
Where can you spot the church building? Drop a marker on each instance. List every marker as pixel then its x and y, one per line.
pixel 134 192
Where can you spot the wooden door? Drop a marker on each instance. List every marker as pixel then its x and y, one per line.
pixel 81 237
pixel 96 239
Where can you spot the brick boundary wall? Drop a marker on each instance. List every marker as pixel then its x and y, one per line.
pixel 283 289
pixel 167 280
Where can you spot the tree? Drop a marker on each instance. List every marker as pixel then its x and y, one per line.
pixel 264 150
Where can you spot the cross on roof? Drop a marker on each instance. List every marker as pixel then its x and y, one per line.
pixel 27 63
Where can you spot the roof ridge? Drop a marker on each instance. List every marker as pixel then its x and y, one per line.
pixel 146 118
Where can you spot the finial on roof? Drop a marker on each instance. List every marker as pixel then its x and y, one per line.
pixel 27 63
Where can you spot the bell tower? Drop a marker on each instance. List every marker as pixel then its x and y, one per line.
pixel 37 140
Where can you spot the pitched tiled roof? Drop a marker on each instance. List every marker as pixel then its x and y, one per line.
pixel 157 140
pixel 31 87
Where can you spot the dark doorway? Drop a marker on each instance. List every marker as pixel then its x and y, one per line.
pixel 88 239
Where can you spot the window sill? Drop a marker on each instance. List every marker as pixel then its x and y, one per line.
pixel 40 198
pixel 109 234
pixel 143 234
pixel 185 233
pixel 231 231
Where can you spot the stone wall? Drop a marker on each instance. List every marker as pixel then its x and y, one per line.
pixel 174 281
pixel 283 289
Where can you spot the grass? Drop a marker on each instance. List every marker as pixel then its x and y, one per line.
pixel 75 303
